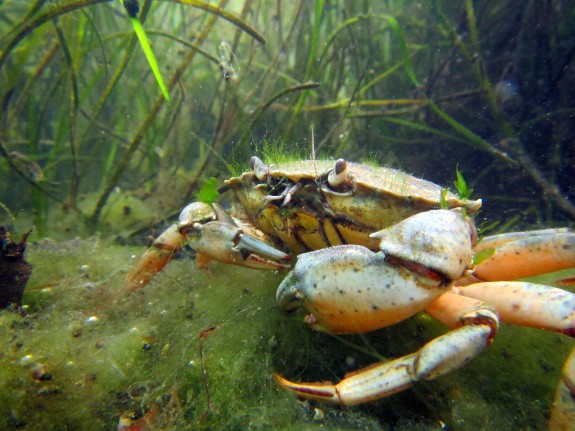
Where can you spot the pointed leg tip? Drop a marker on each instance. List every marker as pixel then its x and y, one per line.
pixel 325 392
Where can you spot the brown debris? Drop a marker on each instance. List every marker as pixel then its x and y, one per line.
pixel 14 270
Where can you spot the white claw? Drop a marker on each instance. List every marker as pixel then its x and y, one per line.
pixel 416 239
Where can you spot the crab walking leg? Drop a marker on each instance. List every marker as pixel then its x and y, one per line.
pixel 525 254
pixel 436 358
pixel 155 258
pixel 542 307
pixel 528 304
pixel 563 410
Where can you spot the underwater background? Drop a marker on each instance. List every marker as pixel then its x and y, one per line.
pixel 115 115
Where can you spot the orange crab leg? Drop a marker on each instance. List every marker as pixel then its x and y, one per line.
pixel 221 240
pixel 528 304
pixel 155 258
pixel 436 358
pixel 542 307
pixel 525 254
pixel 563 410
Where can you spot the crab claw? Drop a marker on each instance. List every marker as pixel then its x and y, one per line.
pixel 220 238
pixel 214 234
pixel 351 289
pixel 225 242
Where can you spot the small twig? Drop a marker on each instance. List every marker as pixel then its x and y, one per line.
pixel 4 152
pixel 204 334
pixel 265 105
pixel 550 190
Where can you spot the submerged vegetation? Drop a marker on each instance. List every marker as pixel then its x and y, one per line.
pixel 83 116
pixel 92 143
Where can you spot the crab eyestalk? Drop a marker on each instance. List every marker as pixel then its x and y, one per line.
pixel 259 168
pixel 339 178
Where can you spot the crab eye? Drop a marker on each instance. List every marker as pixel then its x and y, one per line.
pixel 339 178
pixel 259 168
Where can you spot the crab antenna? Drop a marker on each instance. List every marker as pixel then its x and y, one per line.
pixel 338 174
pixel 313 151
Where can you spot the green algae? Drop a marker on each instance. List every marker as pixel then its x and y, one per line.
pixel 107 354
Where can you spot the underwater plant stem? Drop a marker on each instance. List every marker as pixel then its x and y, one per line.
pixel 203 335
pixel 226 119
pixel 34 7
pixel 132 8
pixel 512 143
pixel 42 19
pixel 473 138
pixel 121 67
pixel 478 67
pixel 247 130
pixel 132 147
pixel 186 43
pixel 262 107
pixel 222 13
pixel 271 68
pixel 141 34
pixel 550 190
pixel 24 94
pixel 6 154
pixel 92 221
pixel 312 59
pixel 104 97
pixel 343 142
pixel 114 80
pixel 213 151
pixel 74 103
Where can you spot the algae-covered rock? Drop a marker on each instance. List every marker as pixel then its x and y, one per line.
pixel 90 356
pixel 14 270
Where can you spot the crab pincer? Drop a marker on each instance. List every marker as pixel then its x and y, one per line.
pixel 214 235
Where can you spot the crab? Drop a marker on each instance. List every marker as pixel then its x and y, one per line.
pixel 375 246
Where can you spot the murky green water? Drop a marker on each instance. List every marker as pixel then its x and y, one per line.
pixel 98 162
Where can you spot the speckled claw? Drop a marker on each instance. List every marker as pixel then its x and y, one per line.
pixel 351 289
pixel 527 304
